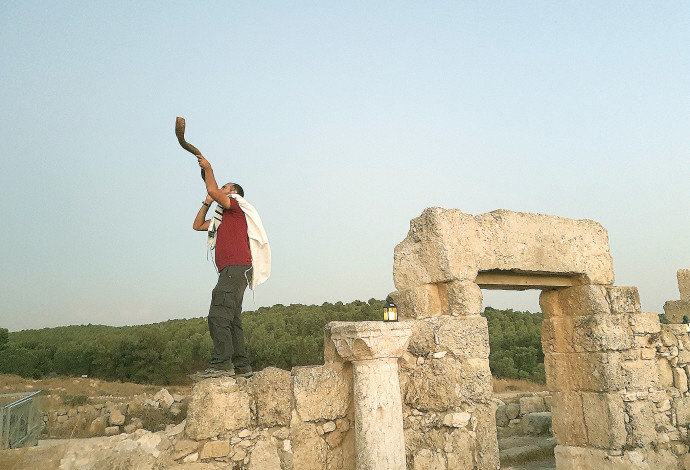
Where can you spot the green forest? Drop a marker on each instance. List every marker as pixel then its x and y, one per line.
pixel 280 336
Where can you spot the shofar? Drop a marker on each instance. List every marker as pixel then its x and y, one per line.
pixel 179 132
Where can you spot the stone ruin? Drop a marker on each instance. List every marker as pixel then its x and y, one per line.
pixel 619 378
pixel 417 394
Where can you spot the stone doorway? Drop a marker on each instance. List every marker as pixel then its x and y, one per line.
pixel 600 349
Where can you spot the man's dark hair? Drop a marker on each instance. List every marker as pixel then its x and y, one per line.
pixel 239 189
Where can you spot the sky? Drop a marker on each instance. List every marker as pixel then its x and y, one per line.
pixel 342 121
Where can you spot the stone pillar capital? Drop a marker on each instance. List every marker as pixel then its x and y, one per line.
pixel 367 340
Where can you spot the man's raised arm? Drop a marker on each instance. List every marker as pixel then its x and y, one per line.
pixel 200 222
pixel 211 186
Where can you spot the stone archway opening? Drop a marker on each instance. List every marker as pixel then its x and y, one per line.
pixel 514 322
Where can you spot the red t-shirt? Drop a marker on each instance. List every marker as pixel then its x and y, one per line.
pixel 232 243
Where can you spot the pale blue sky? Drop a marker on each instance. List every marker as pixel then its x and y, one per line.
pixel 343 121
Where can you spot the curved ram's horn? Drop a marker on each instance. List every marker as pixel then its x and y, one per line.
pixel 179 132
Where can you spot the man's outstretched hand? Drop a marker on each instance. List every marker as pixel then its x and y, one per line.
pixel 203 163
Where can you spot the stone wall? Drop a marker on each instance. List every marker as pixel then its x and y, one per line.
pixel 305 419
pixel 300 419
pixel 604 360
pixel 523 414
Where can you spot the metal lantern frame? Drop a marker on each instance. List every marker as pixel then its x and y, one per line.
pixel 390 311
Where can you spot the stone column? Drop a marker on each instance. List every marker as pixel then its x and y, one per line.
pixel 374 349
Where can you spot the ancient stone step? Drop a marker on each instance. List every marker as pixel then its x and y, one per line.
pixel 520 449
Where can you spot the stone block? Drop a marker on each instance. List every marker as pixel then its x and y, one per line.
pixel 116 418
pixel 583 300
pixel 457 420
pixel 536 424
pixel 533 404
pixel 445 245
pixel 684 283
pixel 623 299
pixel 557 335
pixel 568 419
pixel 420 302
pixel 501 416
pixel 604 413
pixel 341 456
pixel 683 357
pixel 184 447
pixel 271 388
pixel 587 333
pixel 680 380
pixel 512 410
pixel 423 340
pixel 464 337
pixel 213 449
pixel 424 459
pixel 638 375
pixel 486 455
pixel 647 322
pixel 217 407
pixel 549 303
pixel 164 398
pixel 588 458
pixel 597 372
pixel 309 450
pixel 665 373
pixel 112 430
pixel 575 301
pixel 640 426
pixel 264 456
pixel 322 392
pixel 463 297
pixel 97 426
pixel 681 407
pixel 675 310
pixel 441 384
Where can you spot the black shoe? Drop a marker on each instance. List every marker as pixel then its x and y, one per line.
pixel 245 371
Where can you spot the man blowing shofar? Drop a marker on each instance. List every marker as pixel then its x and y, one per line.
pixel 242 257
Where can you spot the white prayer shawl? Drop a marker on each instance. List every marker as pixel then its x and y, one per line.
pixel 258 241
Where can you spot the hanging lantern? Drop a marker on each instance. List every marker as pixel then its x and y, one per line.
pixel 390 310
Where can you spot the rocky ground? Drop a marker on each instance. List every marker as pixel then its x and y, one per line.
pixel 84 407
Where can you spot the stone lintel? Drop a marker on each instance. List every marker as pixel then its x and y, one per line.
pixel 515 280
pixel 367 340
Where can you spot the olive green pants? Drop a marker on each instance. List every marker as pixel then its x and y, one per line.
pixel 225 318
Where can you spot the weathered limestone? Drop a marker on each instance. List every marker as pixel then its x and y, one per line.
pixel 374 349
pixel 321 392
pixel 677 311
pixel 447 245
pixel 218 407
pixel 684 283
pixel 271 392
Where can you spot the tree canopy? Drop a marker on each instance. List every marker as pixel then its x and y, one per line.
pixel 282 336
